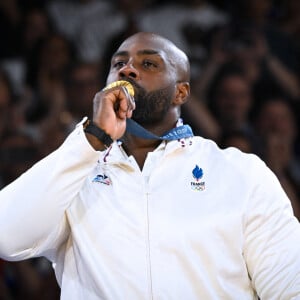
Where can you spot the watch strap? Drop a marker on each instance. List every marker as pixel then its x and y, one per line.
pixel 90 127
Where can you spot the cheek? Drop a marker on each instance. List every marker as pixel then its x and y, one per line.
pixel 153 82
pixel 112 76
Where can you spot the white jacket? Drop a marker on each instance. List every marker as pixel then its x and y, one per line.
pixel 197 223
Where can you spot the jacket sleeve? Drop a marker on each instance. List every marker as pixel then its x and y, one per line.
pixel 32 208
pixel 272 238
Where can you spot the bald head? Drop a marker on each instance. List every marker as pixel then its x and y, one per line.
pixel 177 59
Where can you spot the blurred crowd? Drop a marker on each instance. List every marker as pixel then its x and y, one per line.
pixel 55 54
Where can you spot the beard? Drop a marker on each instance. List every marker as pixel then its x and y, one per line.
pixel 152 107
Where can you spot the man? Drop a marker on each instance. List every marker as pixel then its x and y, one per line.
pixel 150 218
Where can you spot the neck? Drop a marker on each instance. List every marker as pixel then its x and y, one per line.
pixel 139 147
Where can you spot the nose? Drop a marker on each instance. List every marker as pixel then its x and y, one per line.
pixel 128 71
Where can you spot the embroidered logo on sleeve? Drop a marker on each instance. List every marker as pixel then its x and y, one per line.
pixel 102 179
pixel 197 184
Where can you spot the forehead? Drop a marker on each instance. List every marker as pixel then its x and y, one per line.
pixel 138 45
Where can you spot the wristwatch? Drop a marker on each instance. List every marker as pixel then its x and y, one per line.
pixel 90 127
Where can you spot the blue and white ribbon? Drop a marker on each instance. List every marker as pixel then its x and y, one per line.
pixel 176 133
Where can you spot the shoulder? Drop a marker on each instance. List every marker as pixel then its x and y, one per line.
pixel 237 167
pixel 237 160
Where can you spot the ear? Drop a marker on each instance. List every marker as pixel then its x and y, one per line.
pixel 182 93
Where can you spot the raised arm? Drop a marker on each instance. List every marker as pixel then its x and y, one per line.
pixel 32 208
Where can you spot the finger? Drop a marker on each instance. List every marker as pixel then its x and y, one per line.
pixel 121 114
pixel 123 102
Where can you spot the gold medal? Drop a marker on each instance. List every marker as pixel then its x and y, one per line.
pixel 124 83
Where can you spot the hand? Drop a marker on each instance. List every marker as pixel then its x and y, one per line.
pixel 111 109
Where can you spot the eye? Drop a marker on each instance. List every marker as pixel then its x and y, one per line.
pixel 149 64
pixel 119 64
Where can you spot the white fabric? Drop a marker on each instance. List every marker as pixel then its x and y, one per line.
pixel 150 234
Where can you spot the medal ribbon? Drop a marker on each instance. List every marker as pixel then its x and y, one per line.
pixel 180 132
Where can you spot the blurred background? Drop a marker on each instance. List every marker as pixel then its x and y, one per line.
pixel 54 57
